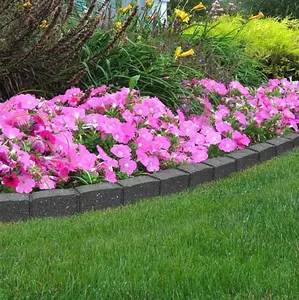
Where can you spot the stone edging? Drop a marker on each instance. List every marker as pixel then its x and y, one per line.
pixel 66 202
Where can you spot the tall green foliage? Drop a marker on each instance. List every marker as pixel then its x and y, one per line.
pixel 273 8
pixel 41 44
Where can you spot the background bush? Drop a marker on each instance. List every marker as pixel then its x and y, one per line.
pixel 273 8
pixel 146 49
pixel 41 44
pixel 271 41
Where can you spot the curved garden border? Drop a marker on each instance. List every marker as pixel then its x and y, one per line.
pixel 66 202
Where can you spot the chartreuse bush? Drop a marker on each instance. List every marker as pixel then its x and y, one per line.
pixel 274 43
pixel 236 239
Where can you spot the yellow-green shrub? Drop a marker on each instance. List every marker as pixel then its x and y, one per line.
pixel 264 38
pixel 273 42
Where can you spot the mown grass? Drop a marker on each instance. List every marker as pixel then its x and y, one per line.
pixel 235 239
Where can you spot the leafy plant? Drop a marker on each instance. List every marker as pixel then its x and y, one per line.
pixel 273 8
pixel 221 58
pixel 146 49
pixel 40 44
pixel 158 74
pixel 273 42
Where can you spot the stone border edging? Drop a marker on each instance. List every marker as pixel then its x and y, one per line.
pixel 67 202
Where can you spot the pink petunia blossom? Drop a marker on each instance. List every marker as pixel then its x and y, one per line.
pixel 213 138
pixel 241 140
pixel 151 163
pixel 11 180
pixel 227 145
pixel 46 183
pixel 127 166
pixel 25 184
pixel 121 151
pixel 47 136
pixel 240 117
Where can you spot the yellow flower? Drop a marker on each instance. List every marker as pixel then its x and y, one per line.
pixel 258 16
pixel 179 53
pixel 125 9
pixel 148 3
pixel 43 24
pixel 198 7
pixel 27 4
pixel 118 25
pixel 182 15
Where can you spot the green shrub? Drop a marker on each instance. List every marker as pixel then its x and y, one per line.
pixel 159 74
pixel 273 8
pixel 272 42
pixel 222 59
pixel 147 49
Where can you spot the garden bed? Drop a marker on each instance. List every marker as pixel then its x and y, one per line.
pixel 98 149
pixel 66 202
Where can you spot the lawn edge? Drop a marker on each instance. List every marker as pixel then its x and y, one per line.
pixel 67 202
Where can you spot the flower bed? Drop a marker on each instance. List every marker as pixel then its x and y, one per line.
pixel 85 138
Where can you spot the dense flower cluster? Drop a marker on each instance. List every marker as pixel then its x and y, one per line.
pixel 105 136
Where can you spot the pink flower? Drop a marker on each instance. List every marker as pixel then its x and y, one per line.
pixel 240 117
pixel 127 166
pixel 121 151
pixel 163 142
pixel 223 127
pixel 47 183
pixel 12 133
pixel 48 136
pixel 25 101
pixel 145 134
pixel 11 180
pixel 151 163
pixel 199 155
pixel 213 86
pixel 84 160
pixel 227 145
pixel 238 86
pixel 102 154
pixel 100 89
pixel 213 138
pixel 141 110
pixel 25 184
pixel 241 140
pixel 110 176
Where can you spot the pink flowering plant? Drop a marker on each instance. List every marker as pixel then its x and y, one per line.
pixel 94 136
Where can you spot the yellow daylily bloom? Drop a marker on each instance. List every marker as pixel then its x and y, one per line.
pixel 125 9
pixel 187 53
pixel 27 4
pixel 148 3
pixel 198 7
pixel 258 16
pixel 182 15
pixel 43 24
pixel 179 53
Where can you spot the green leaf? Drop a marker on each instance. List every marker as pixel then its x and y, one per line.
pixel 133 82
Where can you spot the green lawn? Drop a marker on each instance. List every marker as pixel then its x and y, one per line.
pixel 235 239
